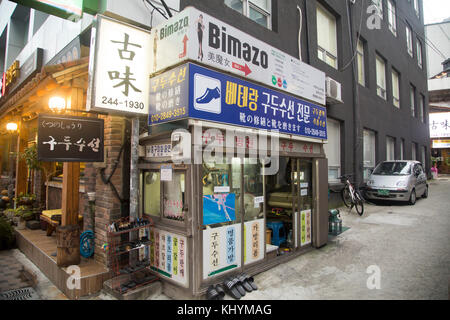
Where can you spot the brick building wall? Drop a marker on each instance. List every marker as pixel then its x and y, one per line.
pixel 107 205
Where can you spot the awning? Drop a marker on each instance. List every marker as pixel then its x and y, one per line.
pixel 31 99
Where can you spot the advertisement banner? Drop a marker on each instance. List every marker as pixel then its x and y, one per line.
pixel 119 68
pixel 70 139
pixel 218 208
pixel 440 125
pixel 305 222
pixel 194 35
pixel 218 97
pixel 254 241
pixel 168 256
pixel 441 144
pixel 221 250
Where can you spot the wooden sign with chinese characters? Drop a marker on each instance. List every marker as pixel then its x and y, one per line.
pixel 305 227
pixel 70 139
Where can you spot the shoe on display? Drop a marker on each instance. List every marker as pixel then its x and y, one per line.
pixel 209 95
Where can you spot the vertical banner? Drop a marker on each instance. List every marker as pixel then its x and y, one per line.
pixel 221 249
pixel 168 256
pixel 254 241
pixel 305 227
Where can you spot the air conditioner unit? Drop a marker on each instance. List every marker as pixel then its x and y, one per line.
pixel 334 91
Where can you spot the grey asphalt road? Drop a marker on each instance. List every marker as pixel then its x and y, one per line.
pixel 407 246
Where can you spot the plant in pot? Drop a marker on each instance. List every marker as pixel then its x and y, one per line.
pixel 23 214
pixel 7 236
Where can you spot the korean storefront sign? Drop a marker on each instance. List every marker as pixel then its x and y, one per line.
pixel 221 249
pixel 119 68
pixel 70 139
pixel 217 97
pixel 168 255
pixel 194 35
pixel 305 229
pixel 441 144
pixel 254 241
pixel 440 125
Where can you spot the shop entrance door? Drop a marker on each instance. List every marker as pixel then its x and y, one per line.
pixel 302 190
pixel 289 206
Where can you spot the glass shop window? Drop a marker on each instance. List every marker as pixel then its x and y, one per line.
pixel 221 192
pixel 164 199
pixel 174 197
pixel 253 191
pixel 152 193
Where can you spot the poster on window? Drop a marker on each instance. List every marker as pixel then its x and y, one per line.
pixel 305 222
pixel 218 208
pixel 168 256
pixel 254 241
pixel 221 250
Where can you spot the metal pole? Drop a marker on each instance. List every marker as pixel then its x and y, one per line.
pixel 134 172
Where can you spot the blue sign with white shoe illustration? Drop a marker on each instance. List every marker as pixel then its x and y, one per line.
pixel 218 97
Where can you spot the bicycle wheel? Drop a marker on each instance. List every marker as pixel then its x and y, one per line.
pixel 346 197
pixel 359 204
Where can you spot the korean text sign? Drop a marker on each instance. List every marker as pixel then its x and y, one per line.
pixel 218 97
pixel 194 35
pixel 440 125
pixel 70 139
pixel 119 68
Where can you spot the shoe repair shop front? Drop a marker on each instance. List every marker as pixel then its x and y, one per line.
pixel 219 207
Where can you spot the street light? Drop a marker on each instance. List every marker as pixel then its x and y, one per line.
pixel 57 104
pixel 11 127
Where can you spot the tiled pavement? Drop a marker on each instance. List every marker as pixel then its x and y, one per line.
pixel 10 272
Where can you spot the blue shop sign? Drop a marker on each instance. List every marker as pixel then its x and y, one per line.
pixel 218 97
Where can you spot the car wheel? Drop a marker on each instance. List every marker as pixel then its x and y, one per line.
pixel 425 193
pixel 413 198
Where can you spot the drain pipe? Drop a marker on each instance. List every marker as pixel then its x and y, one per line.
pixel 300 34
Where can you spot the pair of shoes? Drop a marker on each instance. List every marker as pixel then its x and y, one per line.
pixel 215 292
pixel 234 288
pixel 248 282
pixel 209 95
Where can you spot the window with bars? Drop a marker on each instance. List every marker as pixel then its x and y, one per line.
pixel 419 53
pixel 259 11
pixel 361 69
pixel 409 41
pixel 412 94
pixel 381 77
pixel 326 37
pixel 333 150
pixel 392 17
pixel 395 88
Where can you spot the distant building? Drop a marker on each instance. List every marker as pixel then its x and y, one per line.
pixel 438 53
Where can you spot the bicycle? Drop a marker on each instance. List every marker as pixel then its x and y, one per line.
pixel 351 196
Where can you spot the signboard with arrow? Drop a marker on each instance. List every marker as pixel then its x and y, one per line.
pixel 195 36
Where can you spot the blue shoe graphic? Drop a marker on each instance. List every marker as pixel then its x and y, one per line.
pixel 209 95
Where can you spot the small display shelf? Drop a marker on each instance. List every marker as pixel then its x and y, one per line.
pixel 132 271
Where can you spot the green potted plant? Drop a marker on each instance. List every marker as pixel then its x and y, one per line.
pixel 7 236
pixel 23 214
